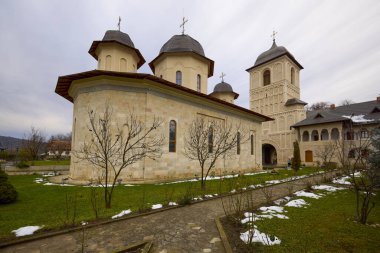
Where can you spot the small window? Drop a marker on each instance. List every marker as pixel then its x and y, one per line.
pixel 292 76
pixel 252 144
pixel 172 136
pixel 352 153
pixel 266 77
pixel 238 143
pixel 364 134
pixel 314 135
pixel 178 77
pixel 305 136
pixel 199 87
pixel 210 139
pixel 335 134
pixel 324 135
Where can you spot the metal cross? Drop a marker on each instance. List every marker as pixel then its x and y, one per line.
pixel 274 35
pixel 118 24
pixel 222 76
pixel 184 20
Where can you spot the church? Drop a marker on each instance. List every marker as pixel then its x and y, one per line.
pixel 177 94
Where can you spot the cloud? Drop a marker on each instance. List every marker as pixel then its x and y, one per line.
pixel 337 42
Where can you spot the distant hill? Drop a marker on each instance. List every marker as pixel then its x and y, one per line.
pixel 10 143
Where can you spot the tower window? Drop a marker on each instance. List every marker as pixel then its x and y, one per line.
pixel 210 139
pixel 266 77
pixel 252 145
pixel 172 136
pixel 292 76
pixel 178 77
pixel 199 83
pixel 238 143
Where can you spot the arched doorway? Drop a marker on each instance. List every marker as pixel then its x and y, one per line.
pixel 269 155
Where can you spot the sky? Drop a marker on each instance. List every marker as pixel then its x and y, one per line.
pixel 336 41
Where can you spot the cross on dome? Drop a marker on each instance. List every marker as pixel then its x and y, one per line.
pixel 222 77
pixel 118 24
pixel 274 35
pixel 184 20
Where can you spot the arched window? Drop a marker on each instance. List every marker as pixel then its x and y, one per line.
pixel 266 77
pixel 210 139
pixel 178 77
pixel 305 136
pixel 324 135
pixel 252 144
pixel 314 135
pixel 108 62
pixel 350 135
pixel 123 64
pixel 199 83
pixel 352 153
pixel 238 143
pixel 172 136
pixel 335 134
pixel 292 76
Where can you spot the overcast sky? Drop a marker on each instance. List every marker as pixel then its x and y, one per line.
pixel 337 42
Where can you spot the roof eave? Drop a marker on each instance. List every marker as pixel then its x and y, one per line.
pixel 287 54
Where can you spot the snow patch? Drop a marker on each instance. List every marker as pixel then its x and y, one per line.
pixel 342 180
pixel 173 204
pixel 271 209
pixel 58 184
pixel 157 206
pixel 307 194
pixel 257 236
pixel 29 230
pixel 297 203
pixel 122 213
pixel 358 118
pixel 328 188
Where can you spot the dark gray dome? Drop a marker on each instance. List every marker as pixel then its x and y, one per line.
pixel 223 87
pixel 182 43
pixel 115 35
pixel 271 54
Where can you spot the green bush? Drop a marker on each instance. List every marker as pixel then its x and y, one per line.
pixel 331 165
pixel 22 165
pixel 8 193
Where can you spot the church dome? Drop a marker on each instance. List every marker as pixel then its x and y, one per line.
pixel 273 53
pixel 182 43
pixel 223 87
pixel 122 38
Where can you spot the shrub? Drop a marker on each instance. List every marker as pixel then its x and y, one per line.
pixel 22 165
pixel 331 165
pixel 8 193
pixel 296 161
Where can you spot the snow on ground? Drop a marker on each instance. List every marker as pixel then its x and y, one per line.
pixel 282 200
pixel 328 188
pixel 173 204
pixel 208 196
pixel 129 185
pixel 156 206
pixel 307 194
pixel 83 223
pixel 29 230
pixel 39 180
pixel 297 203
pixel 122 213
pixel 58 184
pixel 342 180
pixel 257 236
pixel 272 209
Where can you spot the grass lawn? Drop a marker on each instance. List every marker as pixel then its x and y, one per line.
pixel 327 225
pixel 48 162
pixel 40 204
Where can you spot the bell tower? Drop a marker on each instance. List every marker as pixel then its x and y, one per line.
pixel 275 92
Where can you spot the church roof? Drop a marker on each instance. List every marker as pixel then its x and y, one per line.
pixel 116 36
pixel 224 87
pixel 273 53
pixel 183 44
pixel 64 83
pixel 359 113
pixel 295 101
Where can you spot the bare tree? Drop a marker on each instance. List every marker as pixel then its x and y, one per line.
pixel 112 148
pixel 353 156
pixel 33 143
pixel 318 106
pixel 208 141
pixel 346 101
pixel 326 153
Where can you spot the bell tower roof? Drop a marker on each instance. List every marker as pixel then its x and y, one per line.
pixel 273 53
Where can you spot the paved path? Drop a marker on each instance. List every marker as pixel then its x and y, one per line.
pixel 185 229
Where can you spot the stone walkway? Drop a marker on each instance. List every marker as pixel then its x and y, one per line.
pixel 185 229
